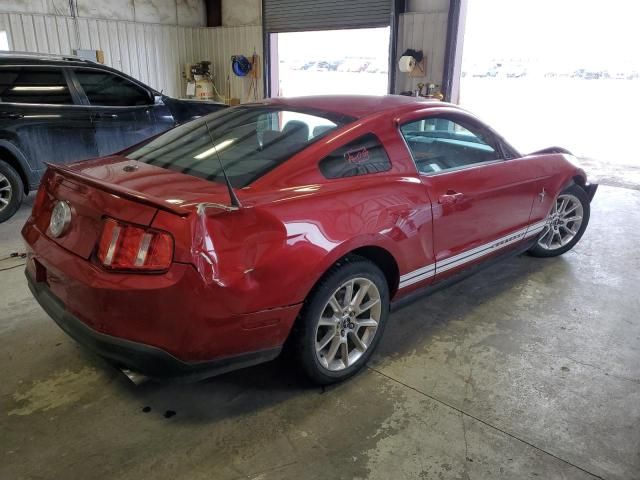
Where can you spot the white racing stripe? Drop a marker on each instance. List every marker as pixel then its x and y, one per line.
pixel 536 228
pixel 417 275
pixel 467 256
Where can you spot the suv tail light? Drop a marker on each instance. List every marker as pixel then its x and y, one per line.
pixel 128 247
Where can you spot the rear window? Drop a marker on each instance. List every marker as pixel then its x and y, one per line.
pixel 248 141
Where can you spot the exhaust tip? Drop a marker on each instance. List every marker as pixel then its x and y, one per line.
pixel 135 377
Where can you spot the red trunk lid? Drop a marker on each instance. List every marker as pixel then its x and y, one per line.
pixel 122 189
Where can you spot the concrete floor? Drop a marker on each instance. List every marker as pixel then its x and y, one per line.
pixel 530 369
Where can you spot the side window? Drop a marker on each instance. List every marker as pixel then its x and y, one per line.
pixel 441 144
pixel 106 89
pixel 359 157
pixel 34 85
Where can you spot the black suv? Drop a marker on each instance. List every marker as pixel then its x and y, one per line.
pixel 62 109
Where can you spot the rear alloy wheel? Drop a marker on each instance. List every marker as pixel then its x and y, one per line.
pixel 11 191
pixel 342 321
pixel 565 225
pixel 348 324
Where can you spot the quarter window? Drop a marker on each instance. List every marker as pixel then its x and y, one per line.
pixel 359 157
pixel 32 85
pixel 441 144
pixel 106 89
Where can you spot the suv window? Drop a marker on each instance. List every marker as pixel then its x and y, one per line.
pixel 440 144
pixel 358 157
pixel 34 85
pixel 104 88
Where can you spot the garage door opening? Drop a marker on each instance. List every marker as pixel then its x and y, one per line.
pixel 541 78
pixel 4 40
pixel 330 62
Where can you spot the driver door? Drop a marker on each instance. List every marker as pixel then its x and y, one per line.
pixel 481 195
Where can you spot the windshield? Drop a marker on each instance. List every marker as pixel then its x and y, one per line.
pixel 249 141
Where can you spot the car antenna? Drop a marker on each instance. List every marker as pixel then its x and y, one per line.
pixel 235 203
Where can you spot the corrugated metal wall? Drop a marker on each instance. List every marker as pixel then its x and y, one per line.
pixel 219 44
pixel 153 53
pixel 427 32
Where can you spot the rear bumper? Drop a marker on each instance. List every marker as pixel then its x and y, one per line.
pixel 160 325
pixel 146 359
pixel 591 188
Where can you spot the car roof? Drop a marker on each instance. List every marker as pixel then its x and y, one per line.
pixel 55 60
pixel 30 58
pixel 357 106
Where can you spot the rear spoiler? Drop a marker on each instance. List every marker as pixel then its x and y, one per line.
pixel 120 191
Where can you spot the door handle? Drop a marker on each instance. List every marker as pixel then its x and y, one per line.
pixel 11 115
pixel 450 198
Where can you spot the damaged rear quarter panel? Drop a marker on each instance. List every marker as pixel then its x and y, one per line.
pixel 270 255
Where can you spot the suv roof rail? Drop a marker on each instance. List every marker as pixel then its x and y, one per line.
pixel 44 56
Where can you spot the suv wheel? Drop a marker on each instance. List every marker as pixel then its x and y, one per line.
pixel 11 191
pixel 342 321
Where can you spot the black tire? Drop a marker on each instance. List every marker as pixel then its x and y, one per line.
pixel 538 251
pixel 303 337
pixel 15 195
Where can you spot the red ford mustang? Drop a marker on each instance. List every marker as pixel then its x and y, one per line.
pixel 291 221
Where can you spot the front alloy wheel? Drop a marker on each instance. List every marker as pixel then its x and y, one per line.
pixel 565 224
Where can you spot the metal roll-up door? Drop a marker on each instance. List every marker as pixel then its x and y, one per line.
pixel 304 15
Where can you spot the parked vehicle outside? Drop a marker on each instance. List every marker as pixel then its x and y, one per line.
pixel 482 71
pixel 514 71
pixel 290 223
pixel 60 109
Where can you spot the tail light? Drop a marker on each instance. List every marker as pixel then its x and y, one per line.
pixel 128 247
pixel 41 196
